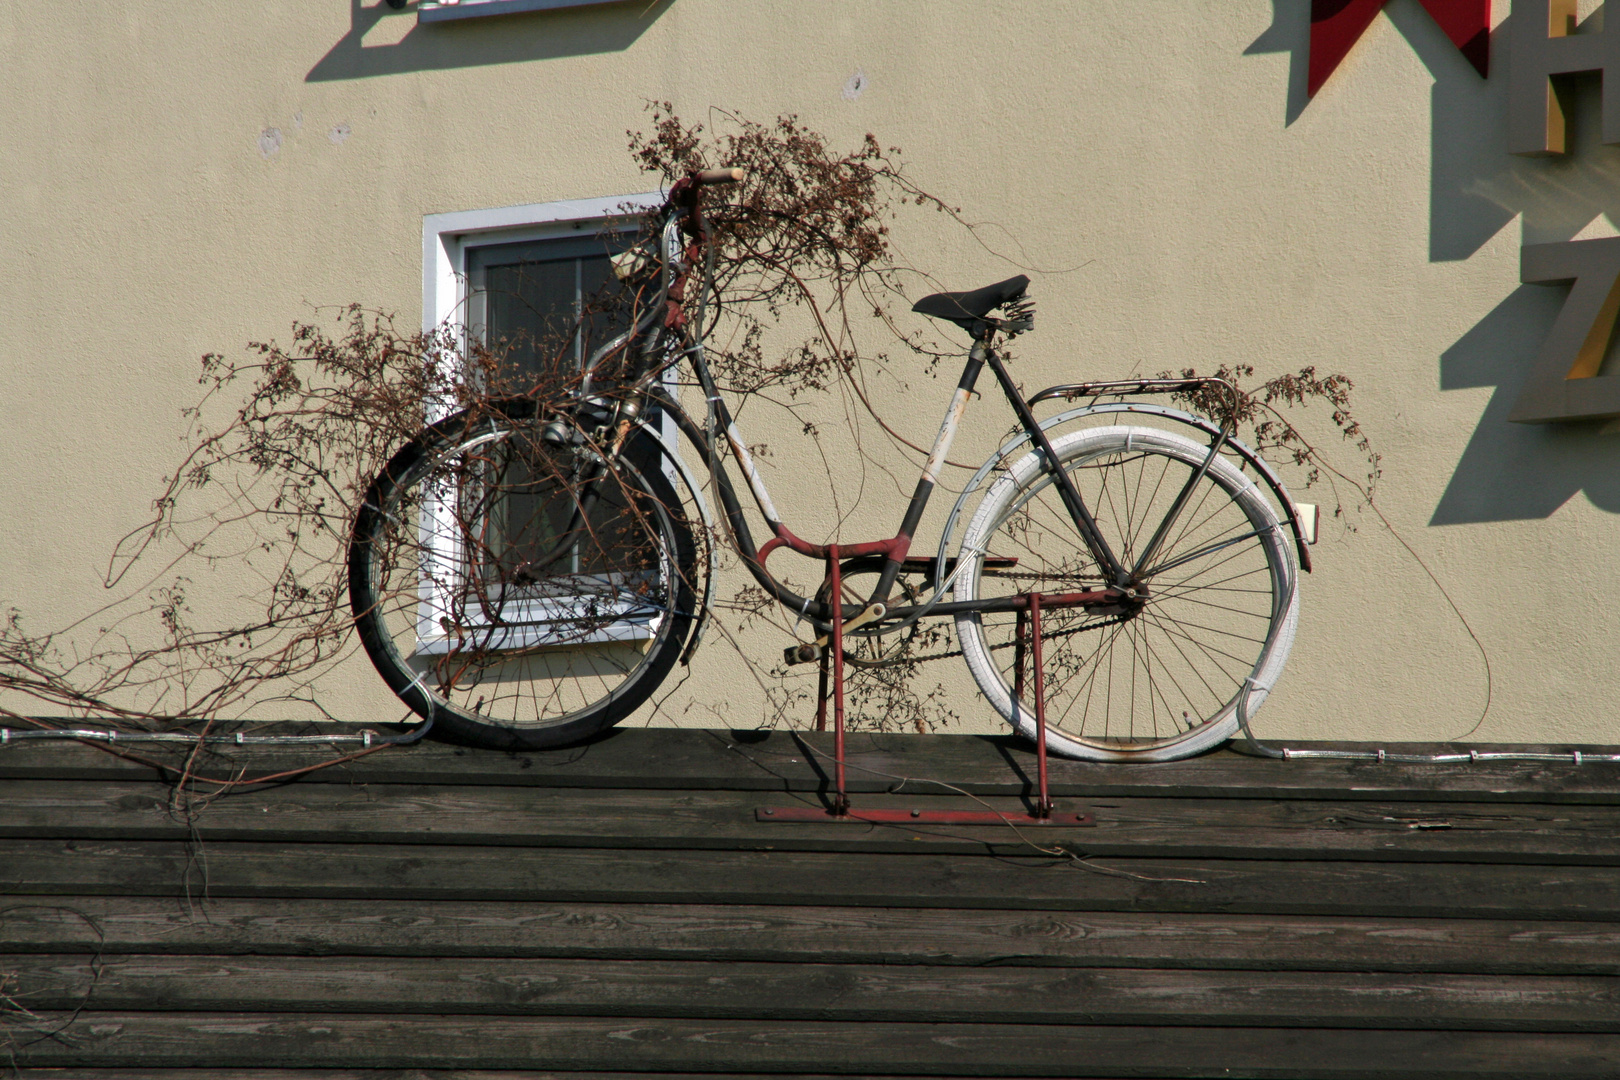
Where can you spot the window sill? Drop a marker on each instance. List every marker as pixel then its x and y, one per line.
pixel 473 9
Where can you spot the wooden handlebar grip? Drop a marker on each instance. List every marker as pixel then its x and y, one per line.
pixel 720 176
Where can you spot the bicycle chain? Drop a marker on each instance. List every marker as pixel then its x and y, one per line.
pixel 1012 575
pixel 1112 620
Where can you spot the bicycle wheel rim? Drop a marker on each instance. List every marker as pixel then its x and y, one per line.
pixel 1164 682
pixel 480 618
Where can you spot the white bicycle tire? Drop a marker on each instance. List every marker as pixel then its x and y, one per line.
pixel 1019 485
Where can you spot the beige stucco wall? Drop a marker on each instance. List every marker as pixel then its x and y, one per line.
pixel 1155 162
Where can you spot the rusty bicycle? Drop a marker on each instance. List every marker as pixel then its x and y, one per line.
pixel 525 573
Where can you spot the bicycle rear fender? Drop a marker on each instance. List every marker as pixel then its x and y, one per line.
pixel 1019 445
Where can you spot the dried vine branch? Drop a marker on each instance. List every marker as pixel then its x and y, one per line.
pixel 284 440
pixel 1257 414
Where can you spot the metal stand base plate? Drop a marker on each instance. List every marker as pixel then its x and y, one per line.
pixel 820 816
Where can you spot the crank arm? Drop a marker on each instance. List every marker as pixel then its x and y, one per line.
pixel 804 654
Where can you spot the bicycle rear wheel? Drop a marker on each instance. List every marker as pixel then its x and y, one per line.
pixel 519 594
pixel 1152 682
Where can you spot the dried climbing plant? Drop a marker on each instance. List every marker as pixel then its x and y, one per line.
pixel 285 439
pixel 1257 414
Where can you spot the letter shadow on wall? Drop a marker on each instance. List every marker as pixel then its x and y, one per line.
pixel 476 42
pixel 1507 471
pixel 1289 32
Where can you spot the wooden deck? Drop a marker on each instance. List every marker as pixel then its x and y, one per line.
pixel 619 909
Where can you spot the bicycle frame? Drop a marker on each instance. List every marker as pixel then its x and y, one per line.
pixel 1166 639
pixel 669 335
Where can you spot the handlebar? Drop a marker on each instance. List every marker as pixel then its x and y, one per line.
pixel 707 177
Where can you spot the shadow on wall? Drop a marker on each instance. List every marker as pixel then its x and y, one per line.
pixel 498 39
pixel 1289 32
pixel 1511 472
pixel 1476 188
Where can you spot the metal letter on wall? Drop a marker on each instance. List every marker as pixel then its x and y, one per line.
pixel 1544 44
pixel 1565 380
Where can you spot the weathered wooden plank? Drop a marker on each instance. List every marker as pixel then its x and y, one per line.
pixel 395 1074
pixel 1218 828
pixel 1460 890
pixel 113 925
pixel 437 1074
pixel 333 1074
pixel 856 992
pixel 347 1041
pixel 777 761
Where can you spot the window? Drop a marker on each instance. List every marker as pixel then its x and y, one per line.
pixel 519 280
pixel 543 304
pixel 520 272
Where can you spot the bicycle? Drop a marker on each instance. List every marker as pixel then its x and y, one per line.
pixel 523 573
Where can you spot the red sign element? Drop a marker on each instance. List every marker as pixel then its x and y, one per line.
pixel 1336 25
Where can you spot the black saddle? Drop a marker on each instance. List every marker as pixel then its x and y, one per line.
pixel 966 309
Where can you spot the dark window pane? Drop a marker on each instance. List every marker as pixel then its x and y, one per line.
pixel 529 314
pixel 544 306
pixel 526 300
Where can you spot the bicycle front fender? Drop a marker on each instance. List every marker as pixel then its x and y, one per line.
pixel 689 478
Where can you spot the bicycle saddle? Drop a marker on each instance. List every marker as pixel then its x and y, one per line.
pixel 967 308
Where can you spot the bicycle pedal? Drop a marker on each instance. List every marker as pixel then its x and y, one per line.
pixel 801 654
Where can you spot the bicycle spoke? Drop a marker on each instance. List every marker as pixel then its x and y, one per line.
pixel 1203 645
pixel 1200 553
pixel 1193 666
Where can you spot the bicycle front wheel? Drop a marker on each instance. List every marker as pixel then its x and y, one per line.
pixel 519 594
pixel 1152 681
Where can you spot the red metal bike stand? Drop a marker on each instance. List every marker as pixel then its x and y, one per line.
pixel 801 815
pixel 1043 805
pixel 841 811
pixel 835 596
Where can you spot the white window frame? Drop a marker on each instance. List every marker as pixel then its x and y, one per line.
pixel 447 237
pixel 446 240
